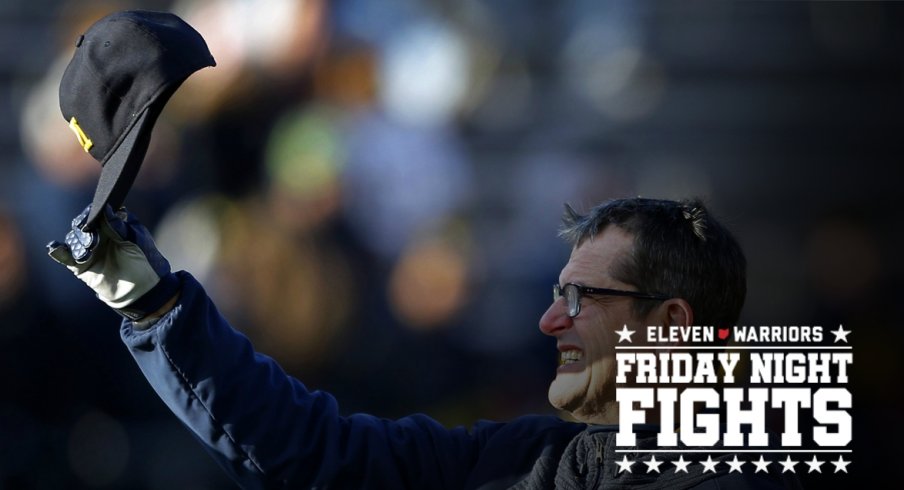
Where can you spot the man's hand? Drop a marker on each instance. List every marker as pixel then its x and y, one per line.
pixel 120 262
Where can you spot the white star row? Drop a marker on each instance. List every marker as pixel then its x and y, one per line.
pixel 735 464
pixel 625 335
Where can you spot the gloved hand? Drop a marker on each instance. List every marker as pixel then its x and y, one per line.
pixel 119 261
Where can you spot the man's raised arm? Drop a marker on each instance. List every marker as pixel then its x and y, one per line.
pixel 263 426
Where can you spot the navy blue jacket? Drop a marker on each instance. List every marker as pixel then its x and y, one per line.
pixel 269 431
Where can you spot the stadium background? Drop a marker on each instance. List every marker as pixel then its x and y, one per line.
pixel 371 190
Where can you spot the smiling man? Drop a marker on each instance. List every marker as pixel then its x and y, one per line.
pixel 634 262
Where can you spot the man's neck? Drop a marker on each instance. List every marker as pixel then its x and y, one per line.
pixel 608 415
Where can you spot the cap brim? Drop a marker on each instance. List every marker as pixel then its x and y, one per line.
pixel 119 172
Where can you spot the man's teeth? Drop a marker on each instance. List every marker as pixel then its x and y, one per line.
pixel 569 357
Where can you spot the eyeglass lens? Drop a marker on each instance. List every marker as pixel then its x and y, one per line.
pixel 572 297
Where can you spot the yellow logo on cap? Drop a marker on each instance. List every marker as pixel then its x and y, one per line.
pixel 82 137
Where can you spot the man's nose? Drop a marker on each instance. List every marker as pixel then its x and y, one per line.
pixel 556 318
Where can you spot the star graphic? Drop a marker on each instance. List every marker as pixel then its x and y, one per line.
pixel 735 464
pixel 709 464
pixel 840 465
pixel 624 334
pixel 624 465
pixel 761 465
pixel 681 464
pixel 788 465
pixel 652 464
pixel 814 465
pixel 841 333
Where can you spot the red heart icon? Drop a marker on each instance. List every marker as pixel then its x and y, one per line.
pixel 723 333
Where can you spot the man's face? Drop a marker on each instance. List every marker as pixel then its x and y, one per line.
pixel 585 380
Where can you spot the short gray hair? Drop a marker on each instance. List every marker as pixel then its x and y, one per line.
pixel 679 250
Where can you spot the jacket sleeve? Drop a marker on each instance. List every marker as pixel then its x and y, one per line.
pixel 267 430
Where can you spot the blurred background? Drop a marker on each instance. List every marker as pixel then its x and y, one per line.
pixel 371 192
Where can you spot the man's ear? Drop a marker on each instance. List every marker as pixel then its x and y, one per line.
pixel 678 312
pixel 672 312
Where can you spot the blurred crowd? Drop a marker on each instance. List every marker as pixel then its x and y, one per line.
pixel 371 192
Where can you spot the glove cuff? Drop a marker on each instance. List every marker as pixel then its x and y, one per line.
pixel 151 301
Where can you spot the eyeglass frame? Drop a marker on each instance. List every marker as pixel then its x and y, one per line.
pixel 558 291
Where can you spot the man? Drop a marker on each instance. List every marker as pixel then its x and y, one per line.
pixel 635 262
pixel 666 263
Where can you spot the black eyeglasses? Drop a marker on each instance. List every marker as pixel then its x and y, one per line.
pixel 574 292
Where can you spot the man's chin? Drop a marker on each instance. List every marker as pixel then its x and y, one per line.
pixel 565 392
